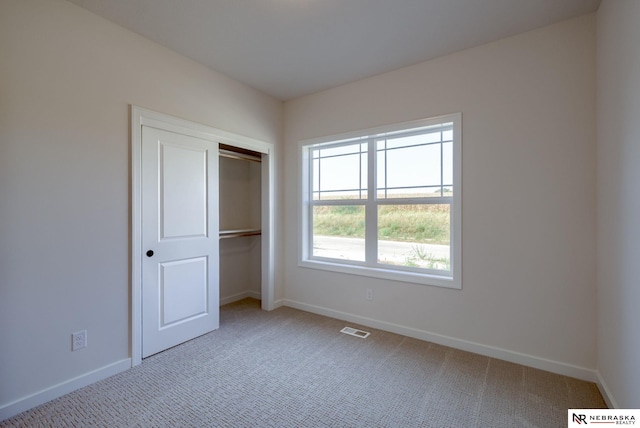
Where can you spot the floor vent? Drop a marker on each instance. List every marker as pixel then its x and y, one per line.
pixel 355 332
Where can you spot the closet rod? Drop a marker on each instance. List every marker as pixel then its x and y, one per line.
pixel 224 234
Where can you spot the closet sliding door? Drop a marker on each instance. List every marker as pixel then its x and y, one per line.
pixel 256 212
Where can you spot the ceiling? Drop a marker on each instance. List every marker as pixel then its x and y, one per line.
pixel 291 48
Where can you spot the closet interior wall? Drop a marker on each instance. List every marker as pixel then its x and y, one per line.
pixel 240 210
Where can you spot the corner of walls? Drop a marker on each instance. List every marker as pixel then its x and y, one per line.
pixel 618 139
pixel 605 391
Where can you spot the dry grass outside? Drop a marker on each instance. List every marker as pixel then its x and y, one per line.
pixel 427 224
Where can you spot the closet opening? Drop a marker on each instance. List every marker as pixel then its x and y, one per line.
pixel 240 198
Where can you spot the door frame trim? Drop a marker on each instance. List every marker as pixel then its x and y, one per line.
pixel 144 117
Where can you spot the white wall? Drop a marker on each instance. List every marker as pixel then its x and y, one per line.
pixel 67 79
pixel 529 201
pixel 618 73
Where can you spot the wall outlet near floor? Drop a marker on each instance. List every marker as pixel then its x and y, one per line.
pixel 369 294
pixel 78 340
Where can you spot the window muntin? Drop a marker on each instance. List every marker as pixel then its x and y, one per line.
pixel 415 165
pixel 340 172
pixel 409 227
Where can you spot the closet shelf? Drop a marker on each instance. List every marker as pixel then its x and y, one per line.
pixel 236 233
pixel 238 153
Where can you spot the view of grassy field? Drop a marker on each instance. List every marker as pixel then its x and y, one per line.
pixel 428 224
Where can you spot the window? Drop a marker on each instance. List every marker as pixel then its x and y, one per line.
pixel 385 202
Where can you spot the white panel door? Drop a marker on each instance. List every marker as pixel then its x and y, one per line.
pixel 180 289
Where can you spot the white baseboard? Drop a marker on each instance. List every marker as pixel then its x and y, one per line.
pixel 279 303
pixel 464 345
pixel 18 406
pixel 606 392
pixel 239 296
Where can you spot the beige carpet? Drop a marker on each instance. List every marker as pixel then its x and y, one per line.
pixel 289 368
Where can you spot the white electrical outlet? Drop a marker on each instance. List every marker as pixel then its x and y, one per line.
pixel 78 340
pixel 369 294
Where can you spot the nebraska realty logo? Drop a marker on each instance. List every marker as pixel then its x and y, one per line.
pixel 580 417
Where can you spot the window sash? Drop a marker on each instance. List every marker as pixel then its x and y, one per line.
pixel 371 238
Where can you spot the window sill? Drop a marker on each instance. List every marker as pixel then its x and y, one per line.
pixel 381 273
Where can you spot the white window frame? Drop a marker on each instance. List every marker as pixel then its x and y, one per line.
pixel 450 279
